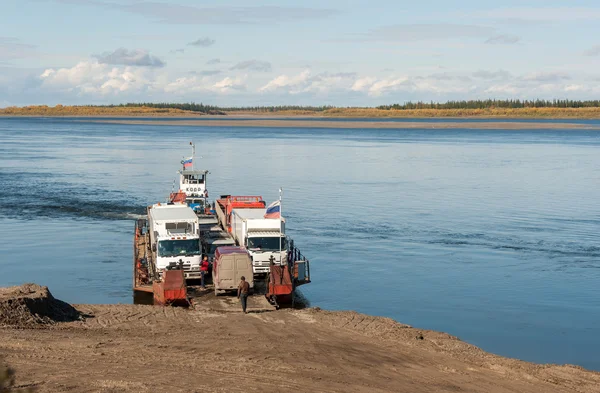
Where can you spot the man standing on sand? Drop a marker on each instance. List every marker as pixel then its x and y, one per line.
pixel 243 290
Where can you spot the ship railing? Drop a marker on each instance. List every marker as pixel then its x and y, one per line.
pixel 244 198
pixel 299 265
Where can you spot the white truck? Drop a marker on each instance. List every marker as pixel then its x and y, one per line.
pixel 174 238
pixel 262 237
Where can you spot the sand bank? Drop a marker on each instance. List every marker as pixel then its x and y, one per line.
pixel 355 124
pixel 134 348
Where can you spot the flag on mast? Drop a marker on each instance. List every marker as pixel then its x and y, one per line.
pixel 274 210
pixel 187 163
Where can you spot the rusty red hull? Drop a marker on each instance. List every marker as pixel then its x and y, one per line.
pixel 171 290
pixel 280 281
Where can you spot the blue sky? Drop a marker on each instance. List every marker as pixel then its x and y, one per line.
pixel 296 52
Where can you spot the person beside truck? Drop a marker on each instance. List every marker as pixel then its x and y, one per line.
pixel 243 290
pixel 203 271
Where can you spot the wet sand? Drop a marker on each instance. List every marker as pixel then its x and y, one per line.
pixel 323 123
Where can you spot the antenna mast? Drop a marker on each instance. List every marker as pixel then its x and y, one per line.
pixel 193 154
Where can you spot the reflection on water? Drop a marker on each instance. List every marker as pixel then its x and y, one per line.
pixel 488 235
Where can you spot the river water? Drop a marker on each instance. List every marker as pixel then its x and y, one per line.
pixel 489 235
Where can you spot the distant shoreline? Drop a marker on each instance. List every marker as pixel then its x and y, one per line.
pixel 325 123
pixel 278 115
pixel 320 120
pixel 545 113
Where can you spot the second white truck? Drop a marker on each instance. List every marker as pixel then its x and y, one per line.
pixel 262 237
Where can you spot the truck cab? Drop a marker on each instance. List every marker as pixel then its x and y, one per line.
pixel 264 238
pixel 263 245
pixel 174 238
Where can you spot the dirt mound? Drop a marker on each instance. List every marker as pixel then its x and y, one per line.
pixel 32 305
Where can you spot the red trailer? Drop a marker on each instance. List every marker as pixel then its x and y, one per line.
pixel 225 205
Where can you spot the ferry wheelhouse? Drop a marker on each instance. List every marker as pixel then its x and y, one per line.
pixel 192 186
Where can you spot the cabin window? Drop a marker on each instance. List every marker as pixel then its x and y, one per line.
pixel 194 179
pixel 179 227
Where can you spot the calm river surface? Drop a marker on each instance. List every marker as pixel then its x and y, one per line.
pixel 492 236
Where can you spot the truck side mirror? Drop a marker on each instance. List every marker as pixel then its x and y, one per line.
pixel 154 247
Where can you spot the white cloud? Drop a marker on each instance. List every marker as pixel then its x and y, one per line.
pixel 195 84
pixel 575 88
pixel 363 84
pixel 324 83
pixel 94 82
pixel 432 85
pixel 285 81
pixel 228 84
pixel 95 78
pixel 306 82
pixel 551 90
pixel 388 85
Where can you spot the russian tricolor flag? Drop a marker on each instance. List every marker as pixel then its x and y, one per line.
pixel 187 163
pixel 274 210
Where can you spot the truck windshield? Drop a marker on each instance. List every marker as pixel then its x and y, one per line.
pixel 172 248
pixel 266 243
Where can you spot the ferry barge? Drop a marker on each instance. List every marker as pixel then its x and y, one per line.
pixel 169 245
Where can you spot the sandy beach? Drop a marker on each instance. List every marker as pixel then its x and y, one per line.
pixel 135 348
pixel 323 123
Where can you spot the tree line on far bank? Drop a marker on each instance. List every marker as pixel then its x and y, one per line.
pixel 518 108
pixel 464 104
pixel 220 110
pixel 492 104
